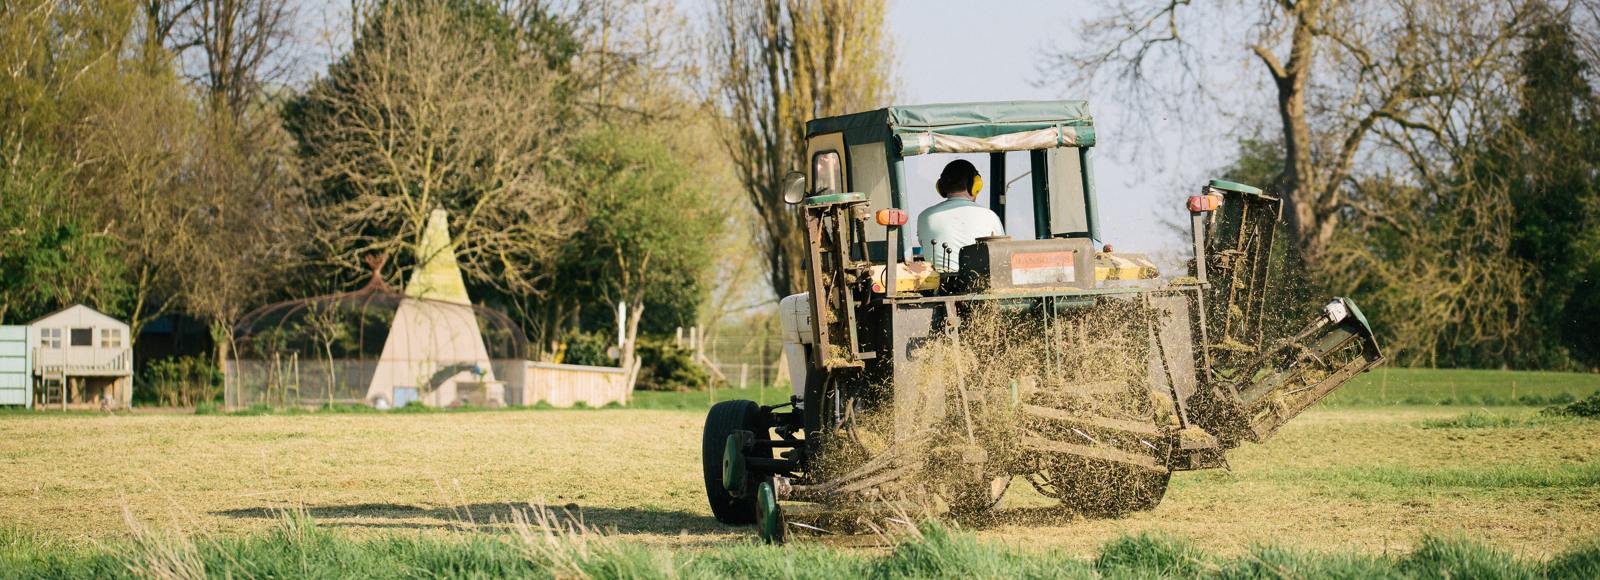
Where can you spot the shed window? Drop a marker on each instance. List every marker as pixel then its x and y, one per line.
pixel 50 338
pixel 110 338
pixel 82 337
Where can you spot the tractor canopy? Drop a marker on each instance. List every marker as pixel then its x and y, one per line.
pixel 866 153
pixel 967 127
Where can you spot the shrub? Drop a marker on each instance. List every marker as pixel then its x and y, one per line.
pixel 184 381
pixel 589 348
pixel 1589 407
pixel 666 367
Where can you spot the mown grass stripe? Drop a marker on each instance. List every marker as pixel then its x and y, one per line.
pixel 1496 477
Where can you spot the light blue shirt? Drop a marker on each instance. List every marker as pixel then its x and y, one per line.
pixel 953 224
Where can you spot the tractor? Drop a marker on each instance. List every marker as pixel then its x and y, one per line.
pixel 1050 359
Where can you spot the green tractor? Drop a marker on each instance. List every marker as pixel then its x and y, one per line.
pixel 1049 359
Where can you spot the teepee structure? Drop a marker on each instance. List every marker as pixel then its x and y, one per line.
pixel 435 351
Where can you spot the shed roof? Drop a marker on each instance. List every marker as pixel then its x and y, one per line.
pixel 76 314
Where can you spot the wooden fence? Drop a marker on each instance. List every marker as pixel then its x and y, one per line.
pixel 562 385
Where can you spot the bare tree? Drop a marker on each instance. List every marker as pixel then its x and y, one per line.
pixel 428 111
pixel 783 63
pixel 138 157
pixel 1344 74
pixel 243 44
pixel 246 224
pixel 160 22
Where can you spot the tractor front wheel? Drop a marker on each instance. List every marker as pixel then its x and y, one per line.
pixel 725 418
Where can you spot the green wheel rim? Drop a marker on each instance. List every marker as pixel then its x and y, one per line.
pixel 769 518
pixel 733 466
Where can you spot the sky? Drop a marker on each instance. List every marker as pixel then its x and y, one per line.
pixel 951 51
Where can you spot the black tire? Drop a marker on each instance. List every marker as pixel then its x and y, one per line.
pixel 725 418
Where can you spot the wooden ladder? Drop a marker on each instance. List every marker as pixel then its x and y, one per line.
pixel 56 395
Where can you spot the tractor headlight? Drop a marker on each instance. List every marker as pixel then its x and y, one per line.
pixel 1336 311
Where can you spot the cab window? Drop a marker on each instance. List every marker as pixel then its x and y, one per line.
pixel 826 174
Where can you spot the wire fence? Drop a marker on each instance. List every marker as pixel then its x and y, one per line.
pixel 742 360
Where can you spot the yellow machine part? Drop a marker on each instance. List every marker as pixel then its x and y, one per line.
pixel 1109 266
pixel 919 277
pixel 912 277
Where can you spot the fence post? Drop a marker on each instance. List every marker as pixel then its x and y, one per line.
pixel 744 371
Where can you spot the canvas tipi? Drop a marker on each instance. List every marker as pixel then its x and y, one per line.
pixel 435 349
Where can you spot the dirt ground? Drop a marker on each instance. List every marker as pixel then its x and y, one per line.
pixel 1371 479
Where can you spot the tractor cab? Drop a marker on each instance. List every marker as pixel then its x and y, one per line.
pixel 1035 156
pixel 1043 356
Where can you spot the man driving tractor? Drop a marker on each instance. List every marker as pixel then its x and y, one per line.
pixel 958 221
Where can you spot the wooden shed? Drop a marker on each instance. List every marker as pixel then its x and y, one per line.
pixel 82 358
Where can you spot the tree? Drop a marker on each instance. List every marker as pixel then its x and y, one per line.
pixel 647 234
pixel 247 225
pixel 1344 75
pixel 244 229
pixel 438 104
pixel 137 184
pixel 50 255
pixel 1481 256
pixel 1553 150
pixel 785 63
pixel 242 44
pixel 60 63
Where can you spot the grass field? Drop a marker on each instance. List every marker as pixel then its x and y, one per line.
pixel 1387 386
pixel 1383 386
pixel 1362 481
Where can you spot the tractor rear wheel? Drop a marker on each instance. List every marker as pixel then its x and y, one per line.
pixel 725 418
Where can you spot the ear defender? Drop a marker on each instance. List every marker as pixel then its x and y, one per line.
pixel 977 185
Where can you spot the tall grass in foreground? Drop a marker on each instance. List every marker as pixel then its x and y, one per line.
pixel 541 544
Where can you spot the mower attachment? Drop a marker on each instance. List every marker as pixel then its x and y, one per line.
pixel 1252 400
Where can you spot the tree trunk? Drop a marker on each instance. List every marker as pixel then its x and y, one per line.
pixel 1301 186
pixel 222 340
pixel 631 337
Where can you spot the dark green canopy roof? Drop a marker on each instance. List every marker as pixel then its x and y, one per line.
pixel 968 127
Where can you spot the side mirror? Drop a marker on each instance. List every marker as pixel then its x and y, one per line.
pixel 794 187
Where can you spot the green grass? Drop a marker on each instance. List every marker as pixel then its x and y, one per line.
pixel 699 400
pixel 1483 478
pixel 545 548
pixel 1485 419
pixel 1384 386
pixel 1400 386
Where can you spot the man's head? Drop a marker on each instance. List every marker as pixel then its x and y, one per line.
pixel 959 179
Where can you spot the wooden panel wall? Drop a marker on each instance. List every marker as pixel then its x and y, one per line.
pixel 565 385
